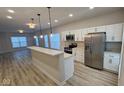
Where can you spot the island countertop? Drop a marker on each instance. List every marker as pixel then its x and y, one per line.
pixel 66 55
pixel 46 51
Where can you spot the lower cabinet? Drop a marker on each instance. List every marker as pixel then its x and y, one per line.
pixel 111 61
pixel 78 55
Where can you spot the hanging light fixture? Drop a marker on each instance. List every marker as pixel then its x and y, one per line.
pixel 41 36
pixel 50 20
pixel 32 24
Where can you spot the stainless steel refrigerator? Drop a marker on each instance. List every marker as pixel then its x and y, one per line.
pixel 94 50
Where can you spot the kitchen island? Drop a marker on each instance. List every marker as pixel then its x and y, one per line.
pixel 57 65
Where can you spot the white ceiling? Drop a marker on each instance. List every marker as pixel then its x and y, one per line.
pixel 22 16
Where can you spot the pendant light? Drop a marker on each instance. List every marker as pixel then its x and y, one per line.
pixel 41 36
pixel 31 25
pixel 35 37
pixel 50 20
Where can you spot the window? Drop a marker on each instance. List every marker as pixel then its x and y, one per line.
pixel 46 41
pixel 55 41
pixel 18 42
pixel 36 41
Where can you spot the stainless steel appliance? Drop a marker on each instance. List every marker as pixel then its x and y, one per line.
pixel 94 49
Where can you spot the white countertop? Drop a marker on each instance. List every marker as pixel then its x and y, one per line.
pixel 67 55
pixel 112 52
pixel 46 51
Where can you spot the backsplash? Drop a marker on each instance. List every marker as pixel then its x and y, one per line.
pixel 113 46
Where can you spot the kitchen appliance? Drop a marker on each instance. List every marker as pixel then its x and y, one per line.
pixel 70 37
pixel 69 48
pixel 94 49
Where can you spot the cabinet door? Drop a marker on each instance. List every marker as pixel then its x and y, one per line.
pixel 107 63
pixel 118 32
pixel 109 33
pixel 80 35
pixel 63 36
pixel 77 35
pixel 111 61
pixel 83 33
pixel 115 64
pixel 91 30
pixel 114 33
pixel 100 29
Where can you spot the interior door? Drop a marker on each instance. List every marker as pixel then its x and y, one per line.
pixel 88 51
pixel 98 50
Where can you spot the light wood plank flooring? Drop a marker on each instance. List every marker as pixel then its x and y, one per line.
pixel 17 69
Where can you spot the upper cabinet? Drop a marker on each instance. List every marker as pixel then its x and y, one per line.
pixel 100 29
pixel 63 36
pixel 83 33
pixel 91 30
pixel 114 33
pixel 78 36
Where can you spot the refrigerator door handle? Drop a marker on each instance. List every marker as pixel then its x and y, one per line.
pixel 90 49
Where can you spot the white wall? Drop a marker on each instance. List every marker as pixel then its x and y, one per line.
pixel 5 42
pixel 121 66
pixel 115 17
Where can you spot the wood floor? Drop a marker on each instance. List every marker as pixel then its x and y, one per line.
pixel 17 69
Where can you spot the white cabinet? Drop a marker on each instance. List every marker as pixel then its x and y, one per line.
pixel 83 33
pixel 78 54
pixel 114 33
pixel 63 36
pixel 111 61
pixel 100 29
pixel 91 30
pixel 77 34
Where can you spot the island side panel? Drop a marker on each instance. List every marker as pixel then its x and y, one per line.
pixel 46 59
pixel 48 64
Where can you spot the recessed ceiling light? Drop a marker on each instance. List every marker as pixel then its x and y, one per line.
pixel 11 11
pixel 48 23
pixel 9 17
pixel 56 20
pixel 21 31
pixel 70 15
pixel 91 7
